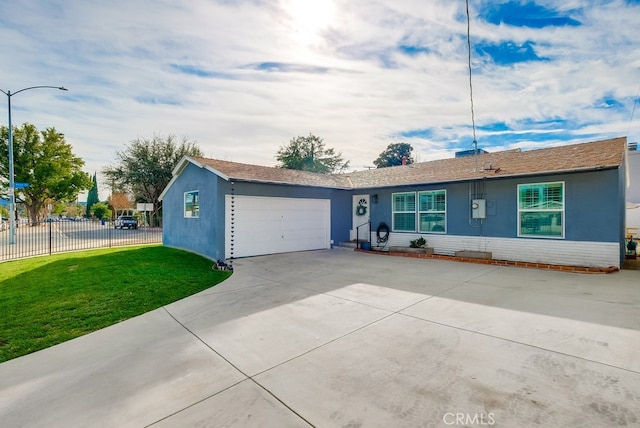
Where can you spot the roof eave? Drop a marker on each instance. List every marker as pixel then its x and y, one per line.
pixel 252 180
pixel 493 177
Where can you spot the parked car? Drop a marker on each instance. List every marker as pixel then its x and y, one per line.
pixel 126 221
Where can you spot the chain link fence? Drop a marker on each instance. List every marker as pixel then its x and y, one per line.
pixel 60 235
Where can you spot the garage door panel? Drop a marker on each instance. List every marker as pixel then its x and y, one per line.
pixel 265 225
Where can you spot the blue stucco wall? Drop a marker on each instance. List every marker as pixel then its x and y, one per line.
pixel 199 235
pixel 593 207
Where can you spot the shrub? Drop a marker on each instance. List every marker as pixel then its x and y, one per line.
pixel 100 210
pixel 418 243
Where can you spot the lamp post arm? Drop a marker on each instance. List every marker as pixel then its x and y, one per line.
pixel 9 93
pixel 12 190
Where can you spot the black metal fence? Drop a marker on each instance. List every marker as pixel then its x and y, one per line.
pixel 51 237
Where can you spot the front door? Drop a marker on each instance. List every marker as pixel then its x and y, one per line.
pixel 360 215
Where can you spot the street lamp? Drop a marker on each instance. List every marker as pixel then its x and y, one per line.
pixel 12 184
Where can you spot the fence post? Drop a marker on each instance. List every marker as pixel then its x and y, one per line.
pixel 50 237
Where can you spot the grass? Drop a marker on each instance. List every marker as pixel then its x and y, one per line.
pixel 48 300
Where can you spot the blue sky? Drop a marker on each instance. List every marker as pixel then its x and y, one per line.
pixel 242 78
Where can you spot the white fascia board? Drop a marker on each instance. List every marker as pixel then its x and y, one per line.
pixel 177 171
pixel 182 163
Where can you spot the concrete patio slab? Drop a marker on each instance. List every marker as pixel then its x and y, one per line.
pixel 131 374
pixel 340 338
pixel 261 327
pixel 557 303
pixel 406 372
pixel 378 297
pixel 590 341
pixel 619 288
pixel 243 405
pixel 241 279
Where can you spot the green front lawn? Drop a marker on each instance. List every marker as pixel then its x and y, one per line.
pixel 48 300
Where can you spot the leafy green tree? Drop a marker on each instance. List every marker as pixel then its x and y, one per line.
pixel 59 208
pixel 393 155
pixel 310 154
pixel 101 210
pixel 146 166
pixel 92 197
pixel 46 162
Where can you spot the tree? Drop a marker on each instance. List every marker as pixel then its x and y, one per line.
pixel 59 208
pixel 309 154
pixel 120 202
pixel 101 211
pixel 146 166
pixel 46 162
pixel 393 155
pixel 92 197
pixel 74 210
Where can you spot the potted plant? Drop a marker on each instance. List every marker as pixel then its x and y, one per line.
pixel 418 243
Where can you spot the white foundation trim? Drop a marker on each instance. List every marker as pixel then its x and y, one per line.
pixel 548 251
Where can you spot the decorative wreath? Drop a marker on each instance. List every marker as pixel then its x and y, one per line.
pixel 361 210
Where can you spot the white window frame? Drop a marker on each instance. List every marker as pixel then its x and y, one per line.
pixel 394 212
pixel 193 213
pixel 443 212
pixel 561 211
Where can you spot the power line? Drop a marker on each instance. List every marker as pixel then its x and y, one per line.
pixel 473 118
pixel 633 111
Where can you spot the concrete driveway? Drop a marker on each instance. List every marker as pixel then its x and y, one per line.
pixel 346 339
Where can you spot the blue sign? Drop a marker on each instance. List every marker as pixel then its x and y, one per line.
pixel 21 185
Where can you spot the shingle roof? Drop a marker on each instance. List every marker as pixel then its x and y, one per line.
pixel 594 155
pixel 268 174
pixel 599 154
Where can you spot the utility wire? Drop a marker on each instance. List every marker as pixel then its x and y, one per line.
pixel 473 118
pixel 635 103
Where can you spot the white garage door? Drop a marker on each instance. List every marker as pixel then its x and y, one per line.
pixel 264 225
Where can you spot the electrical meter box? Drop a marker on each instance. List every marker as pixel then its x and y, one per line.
pixel 479 208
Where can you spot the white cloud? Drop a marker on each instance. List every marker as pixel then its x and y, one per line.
pixel 341 76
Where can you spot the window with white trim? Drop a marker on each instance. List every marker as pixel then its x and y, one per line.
pixel 192 204
pixel 432 211
pixel 403 211
pixel 541 210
